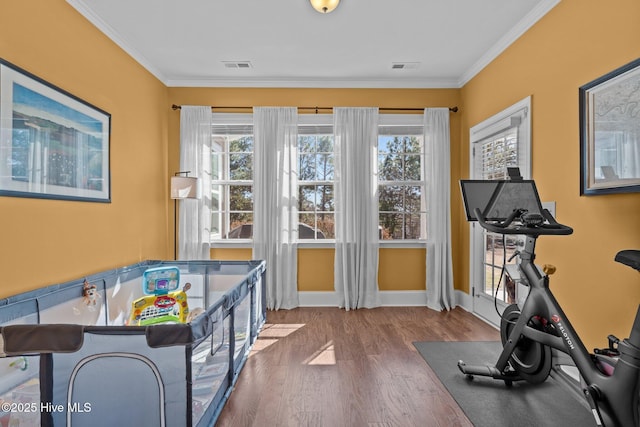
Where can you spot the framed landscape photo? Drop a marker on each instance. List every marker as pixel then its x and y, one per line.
pixel 53 145
pixel 610 132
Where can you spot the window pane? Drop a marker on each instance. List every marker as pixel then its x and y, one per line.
pixel 413 144
pixel 240 225
pixel 307 167
pixel 243 144
pixel 307 198
pixel 324 198
pixel 307 219
pixel 312 226
pixel 326 226
pixel 391 225
pixel 240 166
pixel 389 167
pixel 240 198
pixel 215 197
pixel 306 144
pixel 413 227
pixel 216 224
pixel 391 198
pixel 412 170
pixel 325 144
pixel 324 167
pixel 412 198
pixel 216 166
pixel 384 143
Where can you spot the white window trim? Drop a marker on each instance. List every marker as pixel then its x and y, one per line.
pixel 519 114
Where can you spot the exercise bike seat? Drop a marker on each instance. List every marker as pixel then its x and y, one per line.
pixel 630 257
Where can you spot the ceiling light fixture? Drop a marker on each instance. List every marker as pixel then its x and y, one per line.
pixel 324 6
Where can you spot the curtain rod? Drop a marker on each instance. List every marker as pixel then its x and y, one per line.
pixel 452 109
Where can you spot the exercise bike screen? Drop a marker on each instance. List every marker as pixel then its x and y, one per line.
pixel 498 199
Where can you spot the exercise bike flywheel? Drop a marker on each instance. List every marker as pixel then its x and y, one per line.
pixel 530 359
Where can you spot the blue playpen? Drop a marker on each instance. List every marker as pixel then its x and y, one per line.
pixel 71 355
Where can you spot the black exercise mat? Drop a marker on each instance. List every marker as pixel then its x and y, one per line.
pixel 488 402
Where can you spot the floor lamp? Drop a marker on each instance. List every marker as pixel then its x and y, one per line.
pixel 182 187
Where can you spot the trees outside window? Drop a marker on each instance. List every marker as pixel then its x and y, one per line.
pixel 401 187
pixel 315 186
pixel 402 210
pixel 232 187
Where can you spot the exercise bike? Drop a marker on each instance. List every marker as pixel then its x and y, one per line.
pixel 536 333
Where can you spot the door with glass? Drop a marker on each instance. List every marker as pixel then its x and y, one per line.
pixel 492 290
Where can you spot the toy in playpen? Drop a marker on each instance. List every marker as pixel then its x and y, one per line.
pixel 163 302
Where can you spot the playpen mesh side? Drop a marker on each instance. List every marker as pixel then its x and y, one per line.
pixel 116 379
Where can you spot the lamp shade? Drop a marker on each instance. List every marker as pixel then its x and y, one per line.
pixel 184 187
pixel 324 6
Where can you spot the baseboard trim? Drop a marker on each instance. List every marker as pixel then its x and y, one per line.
pixel 387 298
pixel 317 299
pixel 404 298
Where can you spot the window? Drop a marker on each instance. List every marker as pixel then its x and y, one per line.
pixel 501 141
pixel 232 177
pixel 315 179
pixel 402 209
pixel 498 153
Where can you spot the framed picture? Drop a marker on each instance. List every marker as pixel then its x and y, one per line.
pixel 53 145
pixel 610 132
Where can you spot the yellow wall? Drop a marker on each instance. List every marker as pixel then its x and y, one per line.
pixel 50 241
pixel 578 41
pixel 315 269
pixel 400 269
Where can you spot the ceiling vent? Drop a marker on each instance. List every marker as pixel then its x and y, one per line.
pixel 404 65
pixel 237 64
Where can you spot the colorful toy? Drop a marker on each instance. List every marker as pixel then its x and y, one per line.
pixel 163 303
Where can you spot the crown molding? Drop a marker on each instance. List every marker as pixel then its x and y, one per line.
pixel 505 41
pixel 316 83
pixel 427 83
pixel 112 34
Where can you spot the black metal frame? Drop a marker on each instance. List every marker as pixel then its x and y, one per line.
pixel 613 399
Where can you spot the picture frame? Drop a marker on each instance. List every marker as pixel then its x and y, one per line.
pixel 610 132
pixel 53 145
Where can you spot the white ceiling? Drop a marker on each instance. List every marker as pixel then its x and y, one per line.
pixel 289 44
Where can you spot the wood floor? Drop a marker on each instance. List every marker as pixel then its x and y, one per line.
pixel 330 367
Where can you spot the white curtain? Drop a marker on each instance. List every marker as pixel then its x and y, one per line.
pixel 195 157
pixel 437 165
pixel 275 217
pixel 356 204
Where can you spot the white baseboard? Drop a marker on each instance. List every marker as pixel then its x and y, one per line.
pixel 403 298
pixel 317 299
pixel 387 298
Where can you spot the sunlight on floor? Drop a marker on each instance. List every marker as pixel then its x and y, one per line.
pixel 279 330
pixel 271 333
pixel 325 356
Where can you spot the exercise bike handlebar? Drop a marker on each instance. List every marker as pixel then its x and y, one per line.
pixel 510 226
